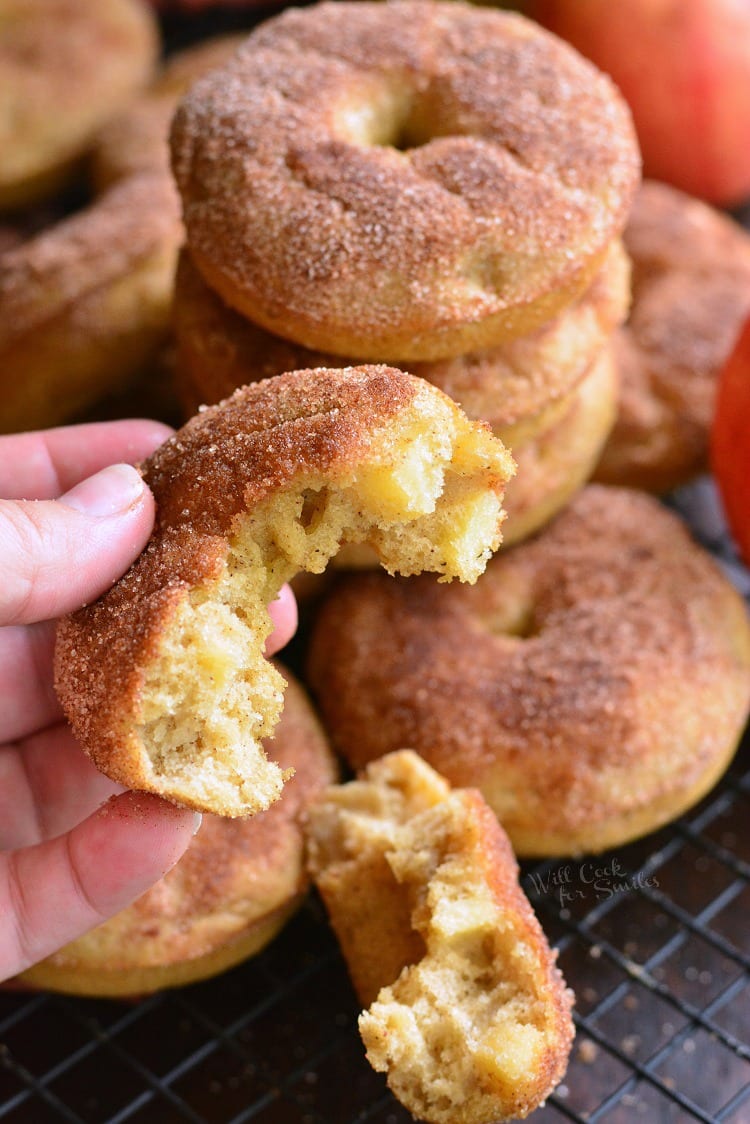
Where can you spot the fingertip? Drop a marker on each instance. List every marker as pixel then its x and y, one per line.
pixel 283 613
pixel 113 490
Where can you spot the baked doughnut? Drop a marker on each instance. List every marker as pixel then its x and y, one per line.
pixel 163 678
pixel 408 180
pixel 468 1015
pixel 66 66
pixel 550 396
pixel 85 305
pixel 691 294
pixel 555 460
pixel 593 685
pixel 137 140
pixel 508 386
pixel 227 897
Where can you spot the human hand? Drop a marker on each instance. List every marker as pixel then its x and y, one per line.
pixel 74 847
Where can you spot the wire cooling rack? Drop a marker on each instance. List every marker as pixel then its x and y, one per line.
pixel 654 938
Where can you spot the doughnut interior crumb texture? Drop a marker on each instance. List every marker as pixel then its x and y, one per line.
pixel 468 1015
pixel 164 678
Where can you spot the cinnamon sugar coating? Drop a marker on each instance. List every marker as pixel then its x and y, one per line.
pixel 408 180
pixel 555 454
pixel 467 1013
pixel 163 678
pixel 691 294
pixel 231 892
pixel 593 684
pixel 66 66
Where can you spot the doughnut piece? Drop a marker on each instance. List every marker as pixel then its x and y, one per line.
pixel 691 294
pixel 228 896
pixel 467 1013
pixel 85 305
pixel 593 685
pixel 408 180
pixel 163 678
pixel 66 66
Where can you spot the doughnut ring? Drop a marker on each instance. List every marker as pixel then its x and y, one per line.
pixel 550 396
pixel 691 293
pixel 235 887
pixel 163 678
pixel 593 685
pixel 66 66
pixel 408 180
pixel 421 886
pixel 85 304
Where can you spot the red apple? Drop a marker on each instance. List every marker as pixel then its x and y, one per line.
pixel 730 441
pixel 684 68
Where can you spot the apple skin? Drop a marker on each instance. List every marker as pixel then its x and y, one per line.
pixel 683 66
pixel 730 441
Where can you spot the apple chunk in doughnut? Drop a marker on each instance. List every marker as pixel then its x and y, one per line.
pixel 163 678
pixel 467 1013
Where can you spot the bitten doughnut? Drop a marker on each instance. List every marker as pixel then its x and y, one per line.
pixel 163 678
pixel 593 685
pixel 467 1013
pixel 550 396
pixel 691 294
pixel 228 896
pixel 66 66
pixel 406 180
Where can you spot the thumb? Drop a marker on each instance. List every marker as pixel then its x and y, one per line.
pixel 53 892
pixel 56 555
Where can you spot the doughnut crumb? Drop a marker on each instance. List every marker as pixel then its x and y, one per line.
pixel 468 1015
pixel 164 678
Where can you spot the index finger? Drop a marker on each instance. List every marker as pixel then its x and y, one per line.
pixel 44 464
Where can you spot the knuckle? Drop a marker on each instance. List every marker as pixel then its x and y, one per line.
pixel 24 550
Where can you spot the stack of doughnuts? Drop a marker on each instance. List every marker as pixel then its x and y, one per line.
pixel 85 301
pixel 424 183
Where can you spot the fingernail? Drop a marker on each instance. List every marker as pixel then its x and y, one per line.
pixel 197 821
pixel 110 492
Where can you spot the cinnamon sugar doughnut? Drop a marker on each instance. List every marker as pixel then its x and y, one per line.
pixel 408 180
pixel 85 304
pixel 508 386
pixel 163 678
pixel 550 396
pixel 228 896
pixel 137 140
pixel 66 66
pixel 593 685
pixel 468 1015
pixel 557 457
pixel 691 294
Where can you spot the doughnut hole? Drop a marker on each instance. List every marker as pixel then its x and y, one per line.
pixel 465 1005
pixel 420 499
